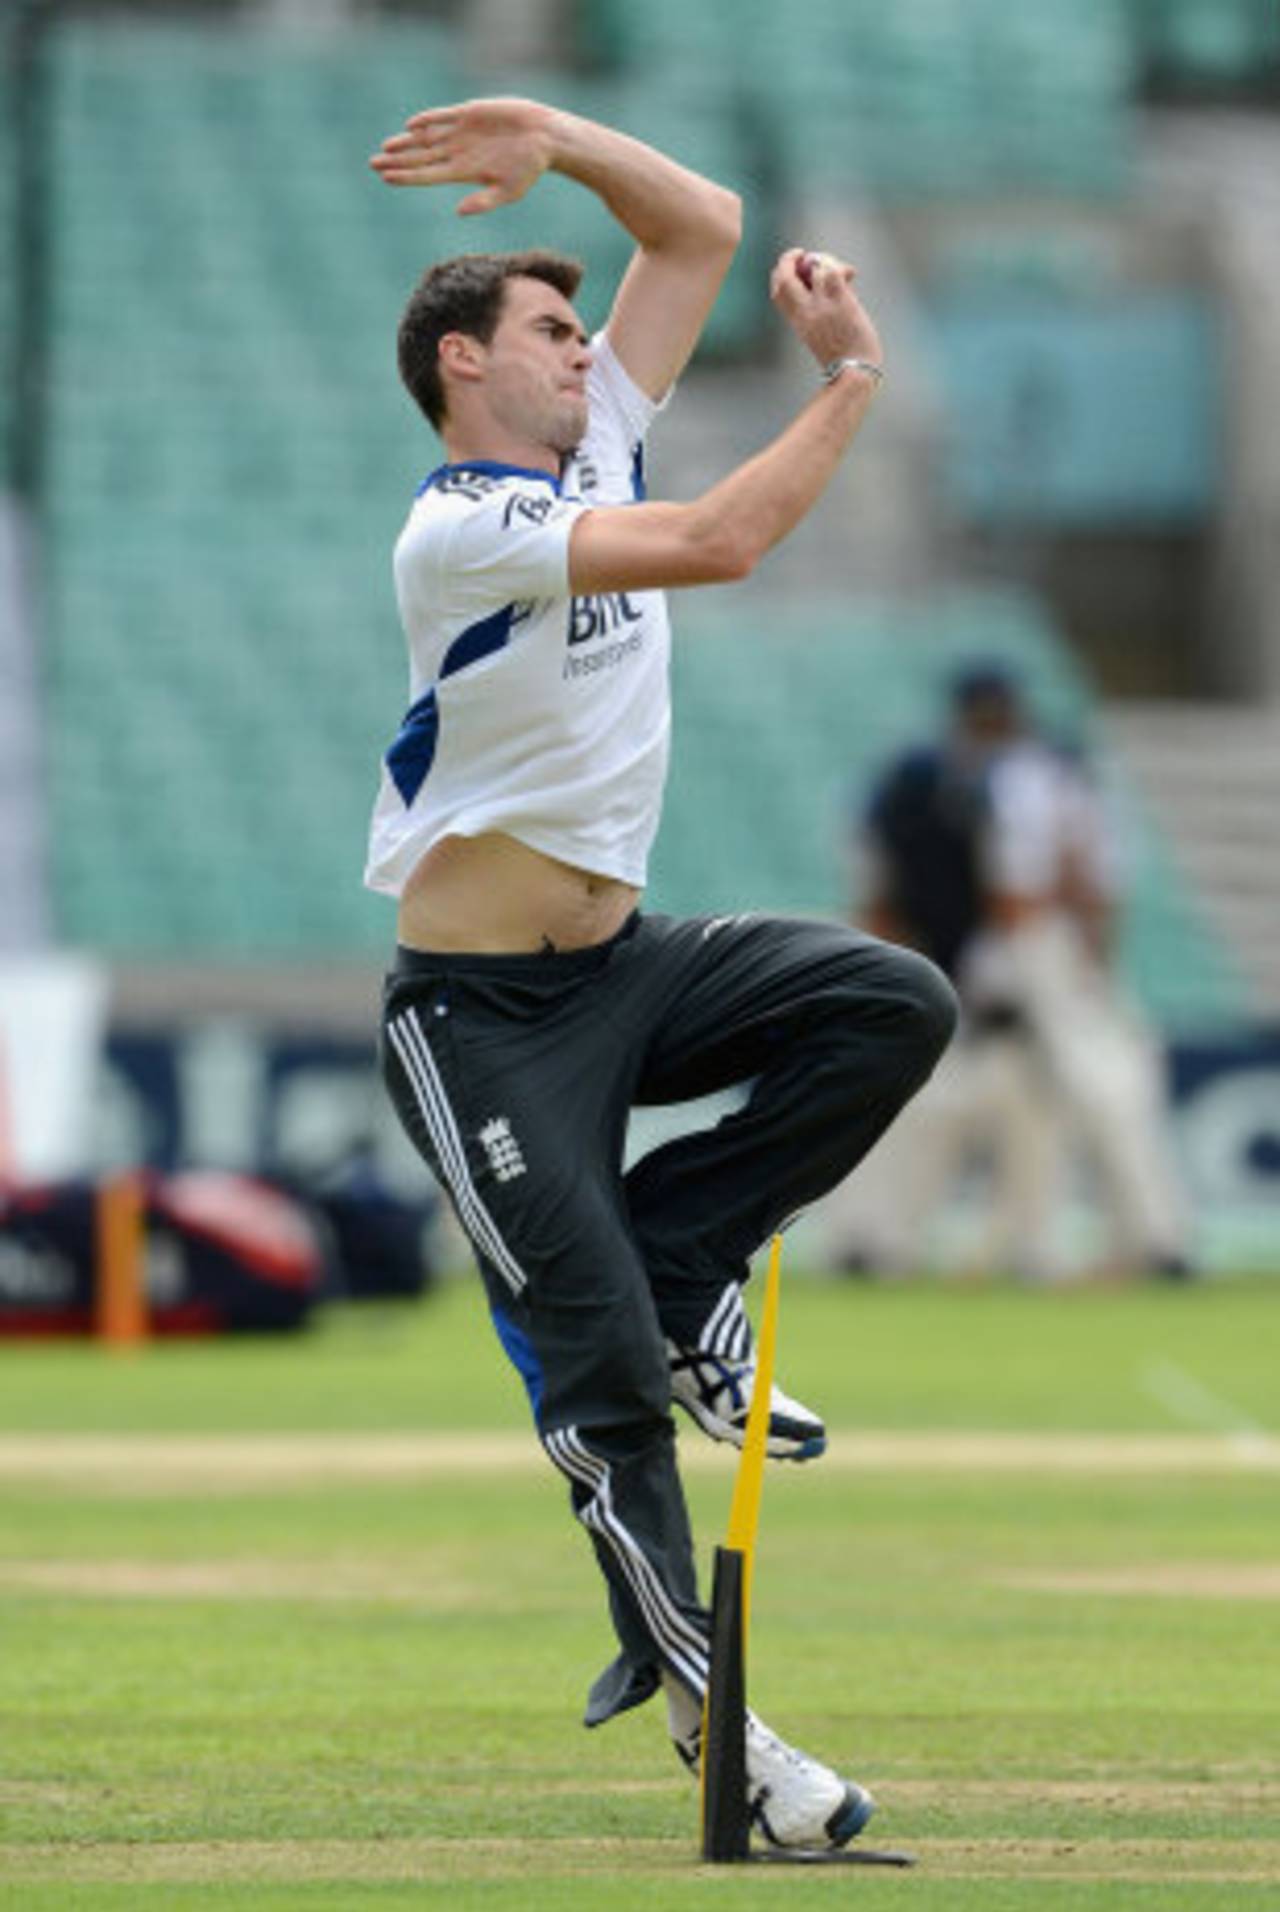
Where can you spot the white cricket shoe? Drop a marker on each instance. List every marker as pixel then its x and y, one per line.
pixel 713 1382
pixel 797 1801
pixel 794 1800
pixel 716 1391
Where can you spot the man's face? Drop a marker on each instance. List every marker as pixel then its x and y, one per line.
pixel 536 367
pixel 986 723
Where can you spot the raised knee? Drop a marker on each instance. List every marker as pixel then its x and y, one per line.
pixel 929 1004
pixel 905 1009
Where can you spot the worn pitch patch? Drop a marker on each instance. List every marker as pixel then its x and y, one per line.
pixel 1171 1579
pixel 364 1861
pixel 416 1581
pixel 1228 1791
pixel 138 1465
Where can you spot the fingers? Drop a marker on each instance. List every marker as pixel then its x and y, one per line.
pixel 427 152
pixel 785 270
pixel 404 153
pixel 486 201
pixel 403 161
pixel 819 272
pixel 400 169
pixel 823 272
pixel 815 293
pixel 423 159
pixel 409 172
pixel 813 288
pixel 497 147
pixel 413 143
pixel 444 146
pixel 435 121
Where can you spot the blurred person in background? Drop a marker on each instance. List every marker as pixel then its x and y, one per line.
pixel 990 849
pixel 532 1004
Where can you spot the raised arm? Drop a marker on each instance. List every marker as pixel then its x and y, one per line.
pixel 686 228
pixel 723 534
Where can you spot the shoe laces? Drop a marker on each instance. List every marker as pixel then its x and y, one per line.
pixel 715 1374
pixel 790 1755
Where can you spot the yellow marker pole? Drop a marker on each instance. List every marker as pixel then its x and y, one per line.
pixel 744 1512
pixel 120 1295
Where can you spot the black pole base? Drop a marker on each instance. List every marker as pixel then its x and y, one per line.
pixel 726 1828
pixel 842 1856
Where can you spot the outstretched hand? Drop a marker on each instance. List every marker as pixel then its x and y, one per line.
pixel 501 146
pixel 815 294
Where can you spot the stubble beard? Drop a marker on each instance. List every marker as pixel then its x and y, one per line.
pixel 540 411
pixel 567 426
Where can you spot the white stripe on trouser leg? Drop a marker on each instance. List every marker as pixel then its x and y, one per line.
pixel 683 1645
pixel 681 1642
pixel 410 1045
pixel 419 1064
pixel 424 1078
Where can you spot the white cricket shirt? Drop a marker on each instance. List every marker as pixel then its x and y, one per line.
pixel 1043 817
pixel 531 711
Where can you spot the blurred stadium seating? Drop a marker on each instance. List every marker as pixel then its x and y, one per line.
pixel 228 453
pixel 769 762
pixel 913 98
pixel 1199 45
pixel 1081 410
pixel 8 279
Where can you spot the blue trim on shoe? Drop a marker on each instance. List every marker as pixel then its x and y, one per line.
pixel 849 1819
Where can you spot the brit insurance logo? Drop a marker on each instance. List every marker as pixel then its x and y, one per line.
pixel 611 615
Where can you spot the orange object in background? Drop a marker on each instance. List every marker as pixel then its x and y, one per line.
pixel 120 1291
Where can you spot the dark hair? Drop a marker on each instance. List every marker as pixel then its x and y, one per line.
pixel 985 680
pixel 466 295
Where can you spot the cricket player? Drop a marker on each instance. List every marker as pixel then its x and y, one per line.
pixel 532 1004
pixel 991 849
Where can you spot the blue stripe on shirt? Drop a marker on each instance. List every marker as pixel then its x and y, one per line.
pixel 411 756
pixel 485 468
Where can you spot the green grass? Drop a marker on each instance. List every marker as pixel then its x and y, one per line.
pixel 314 1690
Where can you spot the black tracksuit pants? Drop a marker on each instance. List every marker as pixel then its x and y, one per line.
pixel 514 1077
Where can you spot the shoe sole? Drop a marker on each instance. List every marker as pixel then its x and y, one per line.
pixel 779 1447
